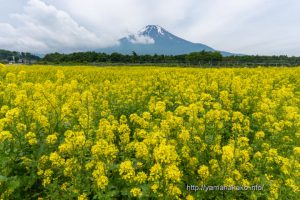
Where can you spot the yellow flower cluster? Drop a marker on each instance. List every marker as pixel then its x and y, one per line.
pixel 203 172
pixel 5 135
pixel 148 132
pixel 99 175
pixel 31 138
pixel 227 154
pixel 126 170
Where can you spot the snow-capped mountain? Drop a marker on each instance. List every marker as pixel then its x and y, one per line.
pixel 154 39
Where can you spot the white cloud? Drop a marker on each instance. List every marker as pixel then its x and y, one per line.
pixel 120 17
pixel 141 39
pixel 44 28
pixel 243 26
pixel 253 27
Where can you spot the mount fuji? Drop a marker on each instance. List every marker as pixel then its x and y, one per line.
pixel 154 39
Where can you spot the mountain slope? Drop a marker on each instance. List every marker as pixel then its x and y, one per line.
pixel 154 39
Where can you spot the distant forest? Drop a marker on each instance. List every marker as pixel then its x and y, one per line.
pixel 202 58
pixel 197 58
pixel 17 57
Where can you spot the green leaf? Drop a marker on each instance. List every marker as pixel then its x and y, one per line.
pixel 3 178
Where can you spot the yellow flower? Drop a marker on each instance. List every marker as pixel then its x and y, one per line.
pixel 12 114
pixel 184 135
pixel 154 187
pixel 236 174
pixel 40 172
pixel 31 138
pixel 105 131
pixel 193 162
pixel 51 139
pixel 103 149
pixel 83 197
pixel 243 155
pixel 173 173
pixel 247 166
pixel 123 119
pixel 102 182
pixel 189 197
pixel 165 154
pixel 46 181
pixel 259 135
pixel 141 150
pixel 4 109
pixel 257 155
pixel 185 151
pixel 5 135
pixel 245 182
pixel 237 116
pixel 136 192
pixel 229 182
pixel 160 107
pixel 214 165
pixel 273 152
pixel 139 164
pixel 155 172
pixel 56 160
pixel 60 74
pixel 126 170
pixel 296 151
pixel 99 169
pixel 146 115
pixel 124 132
pixel 243 141
pixel 291 183
pixel 43 160
pixel 174 191
pixel 203 171
pixel 141 177
pixel 265 146
pixel 71 167
pixel 64 186
pixel 227 153
pixel 21 127
pixel 47 177
pixel 10 77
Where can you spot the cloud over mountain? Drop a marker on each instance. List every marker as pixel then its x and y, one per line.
pixel 140 39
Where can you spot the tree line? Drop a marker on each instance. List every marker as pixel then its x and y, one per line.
pixel 17 57
pixel 93 57
pixel 195 58
pixel 203 58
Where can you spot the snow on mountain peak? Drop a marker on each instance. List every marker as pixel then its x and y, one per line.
pixel 160 31
pixel 152 29
pixel 150 34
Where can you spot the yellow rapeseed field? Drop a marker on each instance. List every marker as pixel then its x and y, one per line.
pixel 149 133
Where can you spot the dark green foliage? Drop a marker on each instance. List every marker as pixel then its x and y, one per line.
pixel 93 57
pixel 18 57
pixel 203 58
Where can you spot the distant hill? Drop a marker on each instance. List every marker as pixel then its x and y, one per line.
pixel 17 57
pixel 154 39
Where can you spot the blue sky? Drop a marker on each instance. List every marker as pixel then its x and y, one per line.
pixel 266 27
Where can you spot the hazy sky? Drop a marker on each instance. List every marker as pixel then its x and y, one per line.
pixel 268 27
